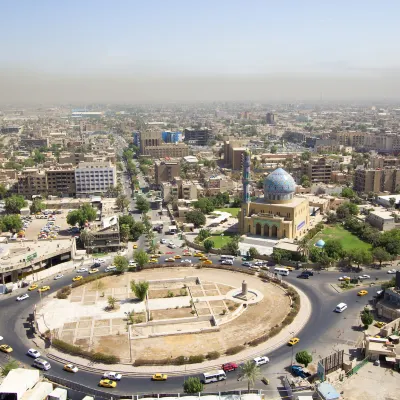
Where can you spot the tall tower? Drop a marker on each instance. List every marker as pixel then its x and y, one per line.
pixel 246 176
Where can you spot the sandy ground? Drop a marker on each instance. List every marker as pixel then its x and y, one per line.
pixel 87 323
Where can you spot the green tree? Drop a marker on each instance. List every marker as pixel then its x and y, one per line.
pixel 86 237
pixel 196 217
pixel 348 192
pixel 3 191
pixel 111 302
pixel 122 202
pixel 86 213
pixel 121 263
pixel 232 247
pixel 253 253
pixel 333 248
pixel 392 201
pixel 37 206
pixel 124 232
pixel 14 203
pixel 380 254
pixel 305 181
pixel 304 357
pixel 389 284
pixel 193 385
pixel 38 157
pixel 237 202
pixel 142 204
pixel 204 234
pixel 361 256
pixel 273 149
pixel 390 240
pixel 277 256
pixel 367 318
pixel 11 223
pixel 251 372
pixel 208 245
pixel 305 156
pixel 141 258
pixel 205 205
pixel 140 289
pixel 6 368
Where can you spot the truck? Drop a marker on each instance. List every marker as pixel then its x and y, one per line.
pixel 58 394
pixel 297 370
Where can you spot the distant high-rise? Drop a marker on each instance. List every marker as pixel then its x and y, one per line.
pixel 246 176
pixel 171 137
pixel 197 137
pixel 270 118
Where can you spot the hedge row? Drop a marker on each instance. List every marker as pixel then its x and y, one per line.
pixel 181 360
pixel 199 266
pixel 90 278
pixel 64 292
pixel 77 351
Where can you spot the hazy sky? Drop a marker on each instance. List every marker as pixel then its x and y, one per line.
pixel 226 49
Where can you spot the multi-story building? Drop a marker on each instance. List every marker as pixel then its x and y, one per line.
pixel 32 181
pixel 233 153
pixel 318 170
pixel 377 180
pixel 270 118
pixel 382 220
pixel 383 162
pixel 197 137
pixel 179 189
pixel 219 184
pixel 152 145
pixel 61 181
pixel 94 178
pixel 34 143
pixel 171 137
pixel 166 170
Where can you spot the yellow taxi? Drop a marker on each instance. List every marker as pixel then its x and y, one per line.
pixel 135 246
pixel 170 260
pixel 362 293
pixel 77 278
pixel 207 262
pixel 5 348
pixel 187 253
pixel 198 255
pixel 159 377
pixel 33 287
pixel 290 268
pixel 204 258
pixel 293 341
pixel 153 261
pixel 108 383
pixel 379 324
pixel 44 289
pixel 93 270
pixel 71 368
pixel 155 255
pixel 178 257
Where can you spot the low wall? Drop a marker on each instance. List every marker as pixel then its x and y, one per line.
pixel 46 273
pixel 229 317
pixel 201 330
pixel 186 279
pixel 174 321
pixel 387 312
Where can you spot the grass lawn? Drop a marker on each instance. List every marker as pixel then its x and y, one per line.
pixel 232 211
pixel 348 240
pixel 219 240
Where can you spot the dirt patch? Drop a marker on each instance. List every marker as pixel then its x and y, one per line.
pixel 67 336
pixel 203 311
pixel 70 325
pixel 231 305
pixel 101 331
pixel 217 303
pixel 101 322
pixel 172 313
pixel 211 292
pixel 196 291
pixel 165 293
pixel 80 333
pixel 84 324
pixel 224 289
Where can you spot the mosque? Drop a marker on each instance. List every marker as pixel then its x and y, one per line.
pixel 279 214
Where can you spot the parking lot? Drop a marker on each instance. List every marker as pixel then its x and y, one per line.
pixel 34 227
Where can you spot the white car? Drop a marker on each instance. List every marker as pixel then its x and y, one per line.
pixel 171 246
pixel 364 277
pixel 187 261
pixel 23 297
pixel 259 263
pixel 132 263
pixel 33 353
pixel 261 360
pixel 391 271
pixel 99 260
pixel 344 278
pixel 82 270
pixel 227 262
pixel 111 268
pixel 254 268
pixel 58 276
pixel 112 375
pixel 163 241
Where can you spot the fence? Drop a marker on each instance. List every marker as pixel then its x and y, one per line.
pixel 357 367
pixel 199 395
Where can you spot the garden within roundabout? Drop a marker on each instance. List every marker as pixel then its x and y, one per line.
pixel 188 314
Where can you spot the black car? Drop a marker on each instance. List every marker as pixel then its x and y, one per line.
pixel 303 276
pixel 309 273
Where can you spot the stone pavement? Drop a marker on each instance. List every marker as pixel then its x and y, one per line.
pixel 249 353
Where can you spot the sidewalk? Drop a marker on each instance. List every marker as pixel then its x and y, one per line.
pixel 251 352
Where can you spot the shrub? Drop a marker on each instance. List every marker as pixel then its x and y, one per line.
pixel 170 294
pixel 234 350
pixel 90 278
pixel 196 359
pixel 213 355
pixel 259 340
pixel 193 385
pixel 63 293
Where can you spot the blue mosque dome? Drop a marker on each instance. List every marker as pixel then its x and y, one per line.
pixel 320 243
pixel 279 185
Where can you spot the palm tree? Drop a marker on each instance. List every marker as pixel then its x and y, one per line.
pixel 250 371
pixel 303 246
pixel 86 237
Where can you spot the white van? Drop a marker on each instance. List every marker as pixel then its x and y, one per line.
pixel 42 364
pixel 340 307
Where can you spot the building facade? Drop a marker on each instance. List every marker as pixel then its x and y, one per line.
pixel 94 178
pixel 377 180
pixel 197 137
pixel 166 170
pixel 318 170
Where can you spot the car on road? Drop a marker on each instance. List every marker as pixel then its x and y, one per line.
pixel 379 324
pixel 23 297
pixel 198 255
pixel 44 289
pixel 186 261
pixel 290 268
pixel 391 271
pixel 207 261
pixel 111 268
pixel 308 272
pixel 344 278
pixel 93 270
pixel 364 277
pixel 362 293
pixel 82 270
pixel 171 259
pixel 77 278
pixel 107 383
pixel 112 375
pixel 159 377
pixel 5 348
pixel 230 366
pixel 171 246
pixel 293 341
pixel 227 262
pixel 297 370
pixel 261 360
pixel 303 276
pixel 71 368
pixel 135 246
pixel 58 276
pixel 33 287
pixel 163 241
pixel 247 264
pixel 33 353
pixel 254 268
pixel 178 257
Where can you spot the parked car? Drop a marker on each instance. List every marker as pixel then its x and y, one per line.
pixel 247 264
pixel 111 268
pixel 227 262
pixel 297 370
pixel 230 366
pixel 261 360
pixel 303 276
pixel 82 270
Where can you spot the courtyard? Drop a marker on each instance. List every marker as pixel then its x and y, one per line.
pixel 188 312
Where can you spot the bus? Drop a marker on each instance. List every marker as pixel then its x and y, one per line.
pixel 281 271
pixel 222 258
pixel 214 376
